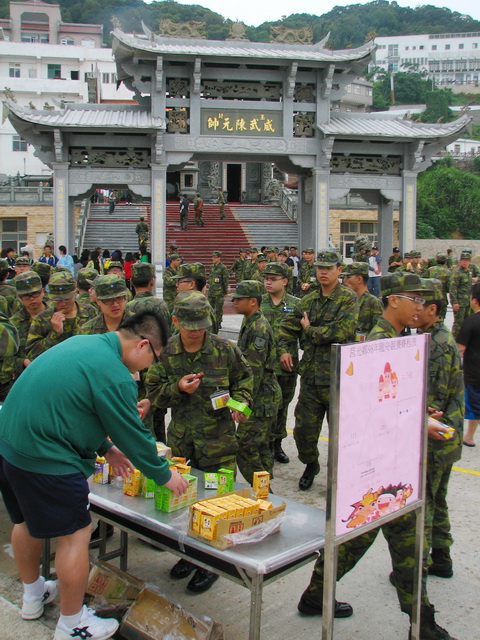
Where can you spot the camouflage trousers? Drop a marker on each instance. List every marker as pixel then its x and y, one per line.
pixel 287 385
pixel 312 406
pixel 400 536
pixel 216 302
pixel 184 446
pixel 437 521
pixel 458 317
pixel 254 453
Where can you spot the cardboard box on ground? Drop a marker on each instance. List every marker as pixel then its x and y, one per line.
pixel 145 613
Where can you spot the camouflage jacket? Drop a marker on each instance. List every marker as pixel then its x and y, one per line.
pixel 3 306
pixel 142 229
pixel 84 298
pixel 96 325
pixel 474 270
pixel 307 273
pixel 333 318
pixel 238 268
pixel 10 295
pixel 445 391
pixel 391 259
pixel 8 337
pixel 441 272
pixel 383 329
pixel 213 432
pixel 275 314
pixel 169 287
pixel 249 268
pixel 217 280
pixel 257 344
pixel 22 321
pixel 360 257
pixel 41 335
pixel 460 286
pixel 147 301
pixel 370 310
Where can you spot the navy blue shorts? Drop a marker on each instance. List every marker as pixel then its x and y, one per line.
pixel 472 403
pixel 51 506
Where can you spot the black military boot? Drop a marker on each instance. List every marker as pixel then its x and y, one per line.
pixel 306 481
pixel 441 563
pixel 278 453
pixel 429 629
pixel 313 606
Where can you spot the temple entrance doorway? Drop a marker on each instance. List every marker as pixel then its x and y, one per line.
pixel 234 182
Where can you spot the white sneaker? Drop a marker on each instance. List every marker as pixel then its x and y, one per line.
pixel 90 627
pixel 33 609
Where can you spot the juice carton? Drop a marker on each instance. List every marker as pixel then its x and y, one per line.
pixel 101 471
pixel 225 481
pixel 261 484
pixel 211 480
pixel 131 484
pixel 148 487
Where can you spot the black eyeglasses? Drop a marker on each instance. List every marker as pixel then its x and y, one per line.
pixel 156 359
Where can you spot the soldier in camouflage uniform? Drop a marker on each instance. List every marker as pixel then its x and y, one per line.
pixel 361 249
pixel 307 274
pixel 251 265
pixel 142 231
pixel 395 260
pixel 460 289
pixel 325 316
pixel 22 263
pixel 8 337
pixel 276 305
pixel 238 266
pixel 402 294
pixel 86 293
pixel 282 259
pixel 445 394
pixel 30 293
pixel 44 270
pixel 221 203
pixel 440 271
pixel 217 286
pixel 474 270
pixel 195 365
pixel 192 276
pixel 259 270
pixel 257 344
pixel 7 290
pixel 169 288
pixel 115 267
pixel 111 293
pixel 63 320
pixel 370 307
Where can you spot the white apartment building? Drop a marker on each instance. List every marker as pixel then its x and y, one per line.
pixel 450 59
pixel 44 62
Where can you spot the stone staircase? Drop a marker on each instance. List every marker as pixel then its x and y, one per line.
pixel 115 230
pixel 267 225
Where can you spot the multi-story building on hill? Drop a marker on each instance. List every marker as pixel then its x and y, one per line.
pixel 450 59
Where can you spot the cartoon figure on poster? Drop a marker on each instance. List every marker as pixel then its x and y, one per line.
pixel 375 504
pixel 387 384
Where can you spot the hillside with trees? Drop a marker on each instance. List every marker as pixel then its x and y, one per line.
pixel 350 26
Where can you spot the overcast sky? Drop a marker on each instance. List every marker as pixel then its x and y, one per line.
pixel 253 12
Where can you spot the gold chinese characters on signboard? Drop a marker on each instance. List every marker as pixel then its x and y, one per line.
pixel 237 122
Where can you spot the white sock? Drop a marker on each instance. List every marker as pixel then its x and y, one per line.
pixel 71 621
pixel 34 590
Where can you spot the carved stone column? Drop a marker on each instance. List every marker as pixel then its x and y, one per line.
pixel 407 226
pixel 320 231
pixel 385 230
pixel 158 218
pixel 62 215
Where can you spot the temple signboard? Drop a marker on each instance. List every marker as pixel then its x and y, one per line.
pixel 241 122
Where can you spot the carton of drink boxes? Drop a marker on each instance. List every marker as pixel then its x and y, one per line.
pixel 213 518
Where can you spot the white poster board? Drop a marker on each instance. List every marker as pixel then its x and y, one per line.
pixel 380 429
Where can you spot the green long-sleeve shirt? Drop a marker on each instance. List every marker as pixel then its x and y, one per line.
pixel 79 392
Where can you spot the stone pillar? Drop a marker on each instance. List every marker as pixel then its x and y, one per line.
pixel 158 221
pixel 62 218
pixel 385 230
pixel 320 207
pixel 407 226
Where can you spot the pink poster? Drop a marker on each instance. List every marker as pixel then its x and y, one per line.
pixel 381 415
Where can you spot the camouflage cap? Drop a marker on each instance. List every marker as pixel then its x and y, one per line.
pixel 283 253
pixel 42 268
pixel 242 251
pixel 432 289
pixel 175 256
pixel 115 264
pixel 327 258
pixel 143 270
pixel 270 250
pixel 441 257
pixel 277 269
pixel 408 254
pixel 60 269
pixel 61 285
pixel 27 282
pixel 399 282
pixel 261 257
pixel 415 254
pixel 249 289
pixel 309 250
pixel 356 269
pixel 467 250
pixel 254 249
pixel 3 264
pixel 22 260
pixel 173 247
pixel 86 276
pixel 192 310
pixel 463 256
pixel 217 254
pixel 193 270
pixel 110 286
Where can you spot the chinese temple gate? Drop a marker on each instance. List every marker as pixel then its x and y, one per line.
pixel 219 114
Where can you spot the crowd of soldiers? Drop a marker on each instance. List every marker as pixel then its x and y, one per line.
pixel 288 304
